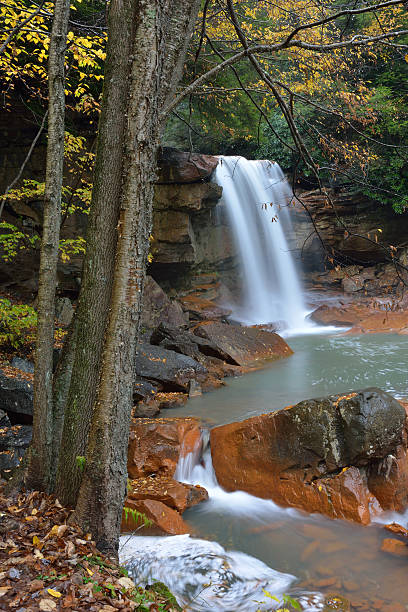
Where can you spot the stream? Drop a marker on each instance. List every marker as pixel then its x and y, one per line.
pixel 241 544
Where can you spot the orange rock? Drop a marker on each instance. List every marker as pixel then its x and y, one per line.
pixel 155 445
pixel 290 455
pixel 165 518
pixel 243 346
pixel 398 529
pixel 394 547
pixel 362 317
pixel 388 480
pixel 174 494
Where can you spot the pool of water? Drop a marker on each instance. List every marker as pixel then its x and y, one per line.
pixel 321 365
pixel 307 555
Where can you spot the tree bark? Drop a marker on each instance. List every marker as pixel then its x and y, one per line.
pixel 97 278
pixel 160 41
pixel 39 466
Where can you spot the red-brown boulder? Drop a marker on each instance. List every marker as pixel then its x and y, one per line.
pixel 343 456
pixel 174 494
pixel 155 445
pixel 164 518
pixel 243 346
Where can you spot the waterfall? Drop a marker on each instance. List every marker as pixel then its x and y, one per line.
pixel 257 199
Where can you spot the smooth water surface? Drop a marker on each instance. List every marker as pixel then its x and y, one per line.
pixel 321 365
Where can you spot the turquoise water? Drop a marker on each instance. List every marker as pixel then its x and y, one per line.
pixel 321 365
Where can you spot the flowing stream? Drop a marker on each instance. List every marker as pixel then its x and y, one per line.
pixel 257 199
pixel 243 547
pixel 241 544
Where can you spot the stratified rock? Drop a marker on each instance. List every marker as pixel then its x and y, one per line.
pixel 186 343
pixel 172 370
pixel 165 518
pixel 174 494
pixel 16 397
pixel 243 345
pixel 183 167
pixel 157 307
pixel 200 308
pixel 320 455
pixel 155 445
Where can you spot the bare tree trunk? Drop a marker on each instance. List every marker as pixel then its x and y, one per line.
pixel 39 466
pixel 160 40
pixel 97 278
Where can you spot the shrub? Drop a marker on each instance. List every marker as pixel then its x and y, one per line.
pixel 17 324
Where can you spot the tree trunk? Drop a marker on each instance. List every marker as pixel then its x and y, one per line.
pixel 160 40
pixel 97 278
pixel 39 466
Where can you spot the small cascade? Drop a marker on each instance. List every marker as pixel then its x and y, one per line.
pixel 196 468
pixel 257 199
pixel 202 574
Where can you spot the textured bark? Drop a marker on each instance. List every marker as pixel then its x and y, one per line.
pixel 39 467
pixel 97 279
pixel 60 389
pixel 160 40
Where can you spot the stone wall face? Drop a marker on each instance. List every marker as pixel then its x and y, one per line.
pixel 190 232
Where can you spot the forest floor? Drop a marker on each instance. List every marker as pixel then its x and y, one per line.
pixel 48 565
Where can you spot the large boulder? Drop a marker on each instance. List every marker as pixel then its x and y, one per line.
pixel 184 167
pixel 342 455
pixel 243 346
pixel 155 445
pixel 172 370
pixel 16 397
pixel 157 307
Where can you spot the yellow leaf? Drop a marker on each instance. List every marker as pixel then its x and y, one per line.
pixel 89 571
pixel 54 593
pixel 36 541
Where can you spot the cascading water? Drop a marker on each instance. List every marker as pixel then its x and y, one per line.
pixel 202 574
pixel 257 197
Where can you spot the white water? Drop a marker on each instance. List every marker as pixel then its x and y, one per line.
pixel 202 574
pixel 257 199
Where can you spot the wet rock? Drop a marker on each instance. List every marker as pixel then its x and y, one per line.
pixel 16 397
pixel 243 346
pixel 165 518
pixel 362 317
pixel 395 547
pixel 174 494
pixel 184 167
pixel 172 370
pixel 155 445
pixel 147 408
pixel 158 307
pixel 398 529
pixel 319 455
pixel 335 602
pixel 143 389
pixel 186 343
